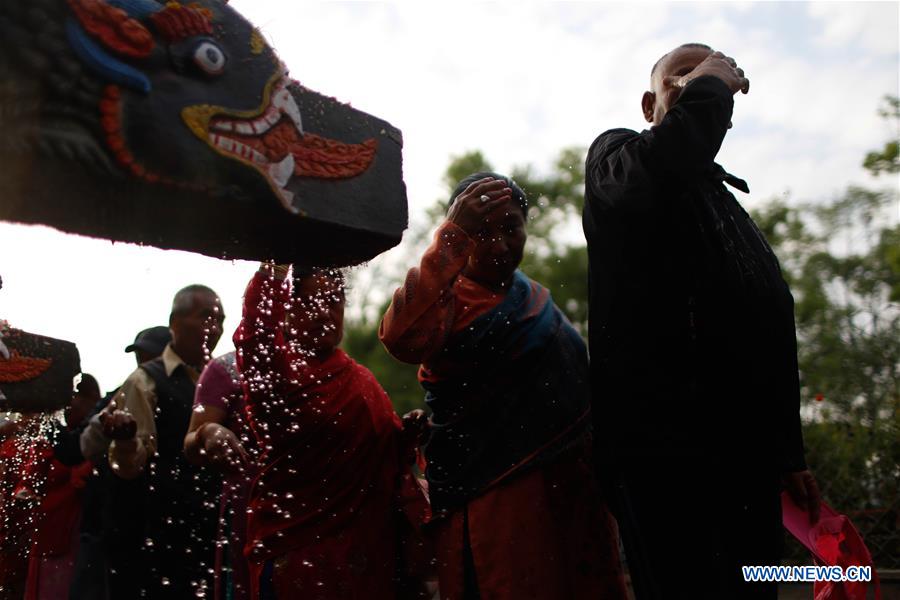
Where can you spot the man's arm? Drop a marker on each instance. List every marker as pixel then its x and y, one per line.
pixel 791 442
pixel 682 146
pixel 93 443
pixel 689 137
pixel 127 457
pixel 798 481
pixel 686 140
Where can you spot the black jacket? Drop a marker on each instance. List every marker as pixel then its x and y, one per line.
pixel 692 341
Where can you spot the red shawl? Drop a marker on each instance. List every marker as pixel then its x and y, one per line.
pixel 324 500
pixel 30 468
pixel 60 508
pixel 15 534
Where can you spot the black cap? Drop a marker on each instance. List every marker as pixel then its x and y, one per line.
pixel 153 340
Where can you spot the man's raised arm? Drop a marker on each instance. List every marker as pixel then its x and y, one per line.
pixel 691 113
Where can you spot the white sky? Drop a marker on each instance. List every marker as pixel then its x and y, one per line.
pixel 517 80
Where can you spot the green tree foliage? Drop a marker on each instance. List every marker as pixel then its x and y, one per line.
pixel 397 378
pixel 887 160
pixel 842 260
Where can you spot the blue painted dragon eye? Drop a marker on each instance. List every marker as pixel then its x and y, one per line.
pixel 210 58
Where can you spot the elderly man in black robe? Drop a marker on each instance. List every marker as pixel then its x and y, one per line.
pixel 694 354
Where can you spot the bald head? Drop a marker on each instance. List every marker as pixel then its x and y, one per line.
pixel 196 323
pixel 664 56
pixel 663 93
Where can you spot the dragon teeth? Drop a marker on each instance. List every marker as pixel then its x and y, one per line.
pixel 259 126
pixel 238 149
pixel 281 172
pixel 284 101
pixel 244 128
pixel 287 199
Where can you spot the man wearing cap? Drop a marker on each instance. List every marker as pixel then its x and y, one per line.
pixel 694 373
pixel 177 511
pixel 105 423
pixel 196 325
pixel 150 343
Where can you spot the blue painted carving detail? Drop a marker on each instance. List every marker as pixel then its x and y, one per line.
pixel 139 9
pixel 99 61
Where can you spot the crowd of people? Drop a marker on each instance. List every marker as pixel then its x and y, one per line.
pixel 282 471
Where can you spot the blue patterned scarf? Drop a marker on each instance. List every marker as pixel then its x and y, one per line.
pixel 517 398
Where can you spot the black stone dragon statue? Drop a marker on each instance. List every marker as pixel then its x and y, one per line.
pixel 174 124
pixel 36 372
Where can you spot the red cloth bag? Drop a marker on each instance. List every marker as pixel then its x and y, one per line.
pixel 833 541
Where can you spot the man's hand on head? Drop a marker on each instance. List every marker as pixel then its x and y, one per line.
pixel 717 65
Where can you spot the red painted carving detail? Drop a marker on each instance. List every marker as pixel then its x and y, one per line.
pixel 113 27
pixel 176 22
pixel 111 121
pixel 314 155
pixel 22 368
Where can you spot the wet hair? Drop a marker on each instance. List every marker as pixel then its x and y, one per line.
pixel 88 386
pixel 517 193
pixel 183 302
pixel 688 45
pixel 301 272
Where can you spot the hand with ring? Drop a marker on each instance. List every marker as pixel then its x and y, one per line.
pixel 717 65
pixel 477 201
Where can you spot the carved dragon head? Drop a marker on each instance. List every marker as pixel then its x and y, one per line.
pixel 175 124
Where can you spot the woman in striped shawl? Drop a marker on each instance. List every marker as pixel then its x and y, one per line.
pixel 516 511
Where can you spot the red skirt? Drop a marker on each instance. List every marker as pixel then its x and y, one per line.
pixel 545 535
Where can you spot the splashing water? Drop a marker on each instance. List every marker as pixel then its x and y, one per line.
pixel 24 460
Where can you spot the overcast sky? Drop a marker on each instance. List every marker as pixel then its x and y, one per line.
pixel 519 81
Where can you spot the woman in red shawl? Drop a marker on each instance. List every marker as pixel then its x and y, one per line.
pixel 41 500
pixel 17 502
pixel 517 511
pixel 323 518
pixel 54 547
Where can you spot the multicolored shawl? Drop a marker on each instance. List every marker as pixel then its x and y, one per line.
pixel 510 392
